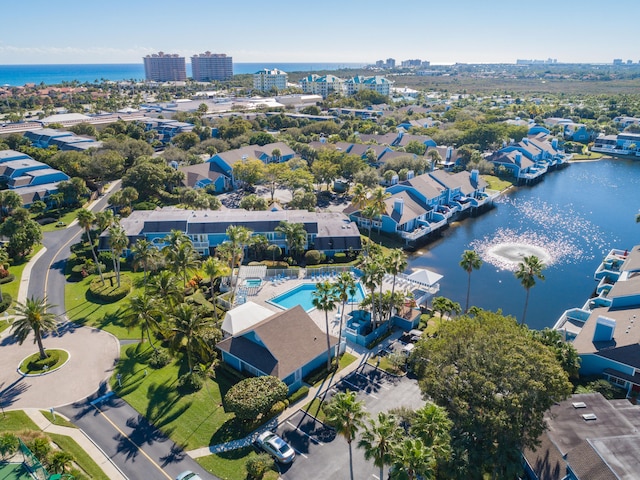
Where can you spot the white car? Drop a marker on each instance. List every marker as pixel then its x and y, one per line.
pixel 276 447
pixel 188 475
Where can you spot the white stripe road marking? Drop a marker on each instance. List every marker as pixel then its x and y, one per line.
pixel 360 389
pixel 379 384
pixel 306 434
pixel 300 453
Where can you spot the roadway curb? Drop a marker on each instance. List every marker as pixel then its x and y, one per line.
pixel 26 274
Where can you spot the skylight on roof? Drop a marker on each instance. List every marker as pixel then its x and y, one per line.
pixel 589 416
pixel 579 405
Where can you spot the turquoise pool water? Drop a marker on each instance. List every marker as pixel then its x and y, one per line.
pixel 252 282
pixel 303 295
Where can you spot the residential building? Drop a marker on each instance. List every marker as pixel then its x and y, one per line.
pixel 588 438
pixel 288 345
pixel 266 80
pixel 531 158
pixel 422 205
pixel 323 85
pixel 65 141
pixel 166 128
pixel 165 67
pixel 208 66
pixel 328 232
pixel 606 330
pixel 621 144
pixel 29 178
pixel 377 83
pixel 224 161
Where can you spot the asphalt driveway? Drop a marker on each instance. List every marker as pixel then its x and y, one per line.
pixel 322 453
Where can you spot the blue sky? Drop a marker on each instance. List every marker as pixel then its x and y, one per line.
pixel 444 31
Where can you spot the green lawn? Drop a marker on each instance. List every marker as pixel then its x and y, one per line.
pixel 81 458
pixel 13 287
pixel 496 183
pixel 106 316
pixel 191 420
pixel 67 218
pixel 58 419
pixel 314 407
pixel 587 156
pixel 231 465
pixel 16 420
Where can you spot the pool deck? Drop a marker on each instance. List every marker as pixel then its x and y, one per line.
pixel 268 290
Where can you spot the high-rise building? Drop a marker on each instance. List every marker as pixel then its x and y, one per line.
pixel 266 80
pixel 209 66
pixel 165 67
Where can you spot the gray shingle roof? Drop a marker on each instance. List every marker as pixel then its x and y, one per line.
pixel 291 339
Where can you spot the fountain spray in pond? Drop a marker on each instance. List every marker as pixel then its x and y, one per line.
pixel 552 234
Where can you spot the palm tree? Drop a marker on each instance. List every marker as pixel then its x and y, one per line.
pixel 86 220
pixel 184 259
pixel 239 237
pixel 346 415
pixel 345 288
pixel 164 287
pixel 528 270
pixel 411 460
pixel 378 440
pixel 214 268
pixel 57 199
pixel 432 425
pixel 143 311
pixel 119 241
pixel 146 254
pixel 435 157
pixel 324 299
pixel 104 219
pixel 187 330
pixel 395 263
pixel 33 316
pixel 469 262
pixel 295 235
pixel 372 275
pixel 369 212
pixel 377 200
pixel 360 194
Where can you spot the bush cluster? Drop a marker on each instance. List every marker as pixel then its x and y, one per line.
pixel 109 292
pixel 6 301
pixel 314 257
pixel 190 382
pixel 40 363
pixel 255 397
pixel 159 359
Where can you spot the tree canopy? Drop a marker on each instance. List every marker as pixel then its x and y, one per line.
pixel 496 380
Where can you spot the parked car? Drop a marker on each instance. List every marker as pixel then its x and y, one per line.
pixel 276 447
pixel 188 475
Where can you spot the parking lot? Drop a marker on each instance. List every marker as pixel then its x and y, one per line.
pixel 321 454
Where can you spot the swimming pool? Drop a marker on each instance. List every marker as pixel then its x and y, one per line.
pixel 303 295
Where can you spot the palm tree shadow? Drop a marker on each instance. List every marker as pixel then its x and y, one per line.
pixel 12 393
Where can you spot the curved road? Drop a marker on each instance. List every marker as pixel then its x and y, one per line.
pixel 138 449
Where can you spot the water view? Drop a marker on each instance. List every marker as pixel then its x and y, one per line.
pixel 569 220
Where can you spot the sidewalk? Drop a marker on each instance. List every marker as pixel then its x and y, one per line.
pixel 361 354
pixel 98 456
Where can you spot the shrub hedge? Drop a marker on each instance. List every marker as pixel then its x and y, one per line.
pixel 8 279
pixel 6 301
pixel 298 394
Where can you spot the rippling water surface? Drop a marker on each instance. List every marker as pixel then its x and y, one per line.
pixel 569 220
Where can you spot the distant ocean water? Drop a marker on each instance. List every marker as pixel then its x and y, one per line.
pixel 18 75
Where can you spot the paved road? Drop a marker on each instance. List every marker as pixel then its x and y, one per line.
pixel 140 450
pixel 322 453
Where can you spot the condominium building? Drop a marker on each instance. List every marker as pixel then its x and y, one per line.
pixel 268 79
pixel 377 84
pixel 322 85
pixel 209 66
pixel 165 67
